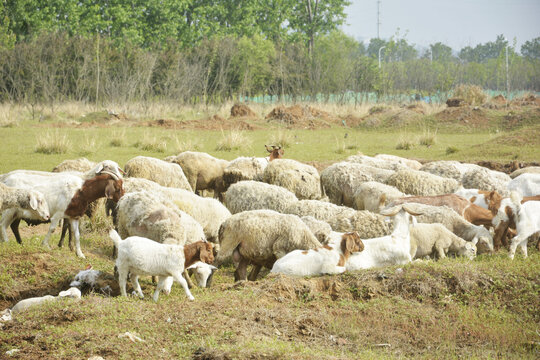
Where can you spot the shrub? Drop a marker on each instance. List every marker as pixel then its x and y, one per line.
pixel 428 139
pixel 52 143
pixel 471 94
pixel 233 140
pixel 282 138
pixel 451 150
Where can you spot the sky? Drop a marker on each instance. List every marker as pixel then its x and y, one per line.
pixel 456 23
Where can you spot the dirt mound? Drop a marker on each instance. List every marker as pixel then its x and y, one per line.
pixel 527 100
pixel 297 115
pixel 455 102
pixel 465 115
pixel 418 108
pixel 508 167
pixel 242 110
pixel 499 99
pixel 217 122
pixel 526 136
pixel 164 123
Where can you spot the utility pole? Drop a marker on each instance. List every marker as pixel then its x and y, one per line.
pixel 378 17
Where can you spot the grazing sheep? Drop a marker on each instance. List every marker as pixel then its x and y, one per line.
pixel 413 164
pixel 254 195
pixel 340 181
pixel 525 184
pixel 328 259
pixel 320 229
pixel 393 249
pixel 435 239
pixel 415 182
pixel 373 196
pixel 259 237
pixel 342 218
pixel 301 179
pixel 244 168
pixel 455 223
pixel 382 163
pixel 80 165
pixel 23 200
pixel 162 172
pixel 444 168
pixel 141 256
pixel 525 170
pixel 203 172
pixel 485 179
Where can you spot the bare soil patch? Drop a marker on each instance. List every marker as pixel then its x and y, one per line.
pixel 242 110
pixel 298 116
pixel 471 116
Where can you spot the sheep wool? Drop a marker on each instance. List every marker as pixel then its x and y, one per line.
pixel 160 171
pixel 320 229
pixel 529 169
pixel 413 164
pixel 485 179
pixel 244 168
pixel 415 182
pixel 203 171
pixel 341 180
pixel 81 165
pixel 380 163
pixel 373 195
pixel 254 195
pixel 443 168
pixel 301 179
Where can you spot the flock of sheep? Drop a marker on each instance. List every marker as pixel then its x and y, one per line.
pixel 277 213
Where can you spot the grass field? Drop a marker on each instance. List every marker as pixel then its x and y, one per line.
pixel 482 309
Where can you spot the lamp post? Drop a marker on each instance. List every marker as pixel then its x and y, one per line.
pixel 380 55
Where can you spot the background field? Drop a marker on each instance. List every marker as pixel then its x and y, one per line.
pixel 486 308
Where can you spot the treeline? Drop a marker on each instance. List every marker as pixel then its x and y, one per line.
pixel 214 51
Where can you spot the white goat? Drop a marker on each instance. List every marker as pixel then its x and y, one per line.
pixel 328 259
pixel 387 250
pixel 141 256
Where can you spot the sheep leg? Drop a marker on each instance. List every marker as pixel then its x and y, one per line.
pixel 440 251
pixel 15 228
pixel 160 286
pixel 254 272
pixel 178 277
pixel 75 228
pixel 66 227
pixel 135 283
pixel 122 279
pixel 7 219
pixel 188 279
pixel 241 269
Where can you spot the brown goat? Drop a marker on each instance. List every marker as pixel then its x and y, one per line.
pixel 97 187
pixel 198 251
pixel 276 152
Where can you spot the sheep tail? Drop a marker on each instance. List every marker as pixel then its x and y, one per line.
pixel 115 237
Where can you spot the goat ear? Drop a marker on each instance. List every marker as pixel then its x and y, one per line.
pixel 99 168
pixel 33 202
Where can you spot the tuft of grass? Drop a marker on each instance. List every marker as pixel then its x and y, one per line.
pixel 405 142
pixel 471 94
pixel 428 139
pixel 282 137
pixel 377 109
pixel 118 138
pixel 451 150
pixel 233 140
pixel 52 143
pixel 188 144
pixel 151 143
pixel 87 147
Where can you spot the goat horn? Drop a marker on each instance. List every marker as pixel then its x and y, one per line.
pixel 114 176
pixel 391 211
pixel 410 210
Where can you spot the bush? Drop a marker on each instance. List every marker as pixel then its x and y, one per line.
pixel 282 138
pixel 451 150
pixel 52 143
pixel 471 94
pixel 428 139
pixel 233 140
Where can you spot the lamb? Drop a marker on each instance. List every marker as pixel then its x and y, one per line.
pixel 141 256
pixel 25 304
pixel 259 237
pixel 416 182
pixel 340 181
pixel 31 201
pixel 525 184
pixel 67 196
pixel 203 172
pixel 329 259
pixel 393 249
pixel 301 179
pixel 435 239
pixel 162 172
pixel 254 195
pixel 342 218
pixel 485 179
pixel 456 224
pixel 244 168
pixel 373 195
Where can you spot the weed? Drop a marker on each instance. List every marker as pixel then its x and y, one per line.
pixel 87 147
pixel 151 143
pixel 377 109
pixel 428 139
pixel 283 138
pixel 52 143
pixel 118 138
pixel 471 94
pixel 451 150
pixel 405 142
pixel 233 140
pixel 187 144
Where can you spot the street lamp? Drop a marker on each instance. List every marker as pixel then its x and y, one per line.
pixel 380 55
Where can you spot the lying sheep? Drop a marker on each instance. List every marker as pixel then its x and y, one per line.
pixel 244 168
pixel 444 168
pixel 373 196
pixel 162 172
pixel 25 304
pixel 80 165
pixel 382 163
pixel 340 180
pixel 328 259
pixel 141 256
pixel 259 237
pixel 254 195
pixel 456 224
pixel 416 182
pixel 485 179
pixel 342 218
pixel 435 239
pixel 203 172
pixel 301 179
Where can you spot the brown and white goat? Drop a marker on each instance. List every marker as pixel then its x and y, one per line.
pixel 276 152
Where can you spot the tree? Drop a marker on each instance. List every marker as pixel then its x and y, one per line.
pixel 531 49
pixel 441 52
pixel 7 38
pixel 374 45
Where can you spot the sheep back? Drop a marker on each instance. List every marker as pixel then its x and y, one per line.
pixel 340 180
pixel 80 165
pixel 414 182
pixel 254 195
pixel 244 168
pixel 485 179
pixel 203 171
pixel 301 179
pixel 160 171
pixel 368 196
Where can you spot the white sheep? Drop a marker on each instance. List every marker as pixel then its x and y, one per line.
pixel 259 237
pixel 340 181
pixel 301 179
pixel 244 168
pixel 411 163
pixel 435 239
pixel 203 171
pixel 342 218
pixel 381 162
pixel 162 172
pixel 321 229
pixel 23 200
pixel 25 304
pixel 444 168
pixel 525 170
pixel 141 256
pixel 80 165
pixel 526 184
pixel 485 179
pixel 328 259
pixel 455 223
pixel 393 249
pixel 254 195
pixel 415 182
pixel 373 196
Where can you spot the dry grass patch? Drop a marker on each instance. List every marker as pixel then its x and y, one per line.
pixel 52 142
pixel 282 137
pixel 471 94
pixel 233 140
pixel 151 143
pixel 428 138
